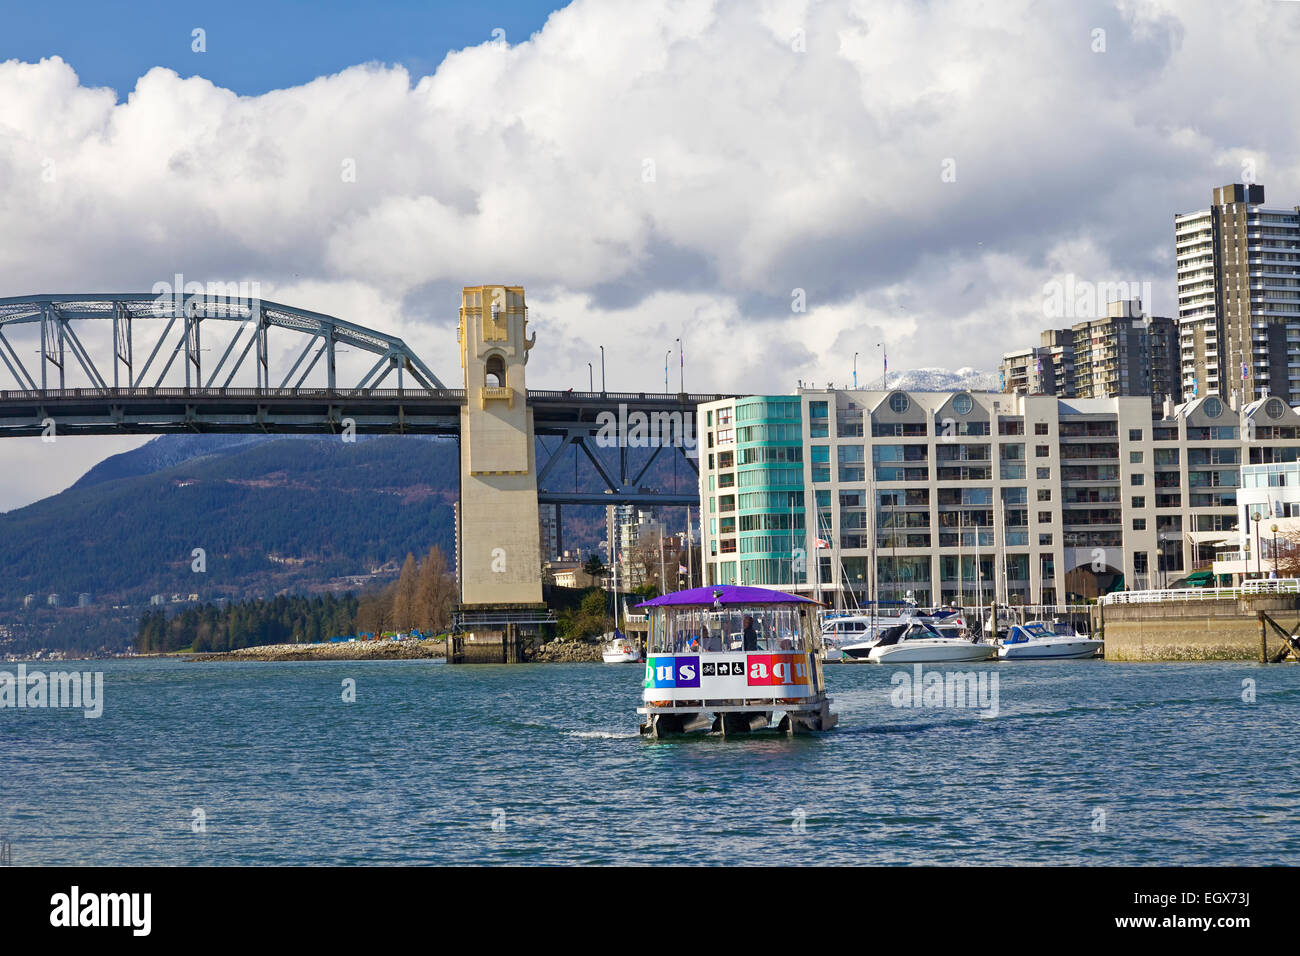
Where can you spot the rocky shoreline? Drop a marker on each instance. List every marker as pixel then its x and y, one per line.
pixel 556 652
pixel 345 651
pixel 567 652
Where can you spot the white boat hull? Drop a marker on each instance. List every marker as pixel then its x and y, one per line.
pixel 931 652
pixel 624 657
pixel 1066 648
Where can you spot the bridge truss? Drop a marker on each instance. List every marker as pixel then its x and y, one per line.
pixel 161 379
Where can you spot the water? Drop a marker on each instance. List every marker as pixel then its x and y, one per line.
pixel 416 769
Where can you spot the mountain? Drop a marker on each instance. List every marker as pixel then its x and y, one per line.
pixel 163 452
pixel 943 380
pixel 268 513
pixel 271 515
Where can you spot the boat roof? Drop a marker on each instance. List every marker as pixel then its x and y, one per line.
pixel 725 595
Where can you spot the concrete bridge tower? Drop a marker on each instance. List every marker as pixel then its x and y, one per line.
pixel 499 561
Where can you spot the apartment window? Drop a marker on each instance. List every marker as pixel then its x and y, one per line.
pixel 1139 501
pixel 1044 517
pixel 1044 474
pixel 1136 479
pixel 1139 524
pixel 1135 458
pixel 1042 451
pixel 1040 428
pixel 1135 434
pixel 1044 540
pixel 1044 494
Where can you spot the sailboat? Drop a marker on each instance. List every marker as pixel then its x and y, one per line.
pixel 618 648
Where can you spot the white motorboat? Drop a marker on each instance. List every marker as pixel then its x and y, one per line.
pixel 858 634
pixel 620 650
pixel 1006 619
pixel 919 643
pixel 1041 642
pixel 850 636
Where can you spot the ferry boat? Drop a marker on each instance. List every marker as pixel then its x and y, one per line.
pixel 1042 642
pixel 620 649
pixel 729 659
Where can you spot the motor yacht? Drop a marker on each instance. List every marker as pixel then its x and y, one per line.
pixel 1040 641
pixel 918 642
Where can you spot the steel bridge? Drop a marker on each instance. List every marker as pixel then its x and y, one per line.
pixel 282 370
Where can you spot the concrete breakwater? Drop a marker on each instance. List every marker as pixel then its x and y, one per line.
pixel 1211 629
pixel 343 651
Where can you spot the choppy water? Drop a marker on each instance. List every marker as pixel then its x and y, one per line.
pixel 418 767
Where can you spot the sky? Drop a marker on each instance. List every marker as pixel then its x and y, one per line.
pixel 782 184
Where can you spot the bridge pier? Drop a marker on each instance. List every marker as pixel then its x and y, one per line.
pixel 499 559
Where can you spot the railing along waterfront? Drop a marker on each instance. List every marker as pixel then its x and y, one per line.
pixel 1271 586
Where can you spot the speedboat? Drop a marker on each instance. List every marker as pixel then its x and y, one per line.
pixel 620 650
pixel 862 632
pixel 1040 642
pixel 1006 619
pixel 851 636
pixel 919 643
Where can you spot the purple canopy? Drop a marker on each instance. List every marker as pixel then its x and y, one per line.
pixel 725 594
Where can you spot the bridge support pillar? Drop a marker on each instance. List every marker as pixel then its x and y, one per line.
pixel 500 551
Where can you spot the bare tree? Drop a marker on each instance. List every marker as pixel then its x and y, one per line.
pixel 404 597
pixel 435 593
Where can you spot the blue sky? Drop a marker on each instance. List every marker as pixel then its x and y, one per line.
pixel 255 45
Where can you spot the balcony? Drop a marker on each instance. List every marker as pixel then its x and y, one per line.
pixel 496 393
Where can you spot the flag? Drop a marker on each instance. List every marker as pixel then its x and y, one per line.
pixel 683 569
pixel 1243 371
pixel 823 543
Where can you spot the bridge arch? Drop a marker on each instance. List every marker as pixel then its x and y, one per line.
pixel 141 337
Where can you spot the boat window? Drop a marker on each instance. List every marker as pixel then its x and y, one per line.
pixel 699 630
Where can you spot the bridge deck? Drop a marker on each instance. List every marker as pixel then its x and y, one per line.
pixel 574 416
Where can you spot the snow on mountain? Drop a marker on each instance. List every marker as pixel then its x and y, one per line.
pixel 942 380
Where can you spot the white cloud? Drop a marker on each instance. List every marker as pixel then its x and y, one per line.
pixel 774 169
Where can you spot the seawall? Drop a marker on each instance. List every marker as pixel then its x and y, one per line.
pixel 1219 629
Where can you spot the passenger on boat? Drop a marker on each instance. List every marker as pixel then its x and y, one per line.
pixel 710 642
pixel 749 635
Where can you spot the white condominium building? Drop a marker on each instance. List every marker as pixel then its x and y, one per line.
pixel 970 496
